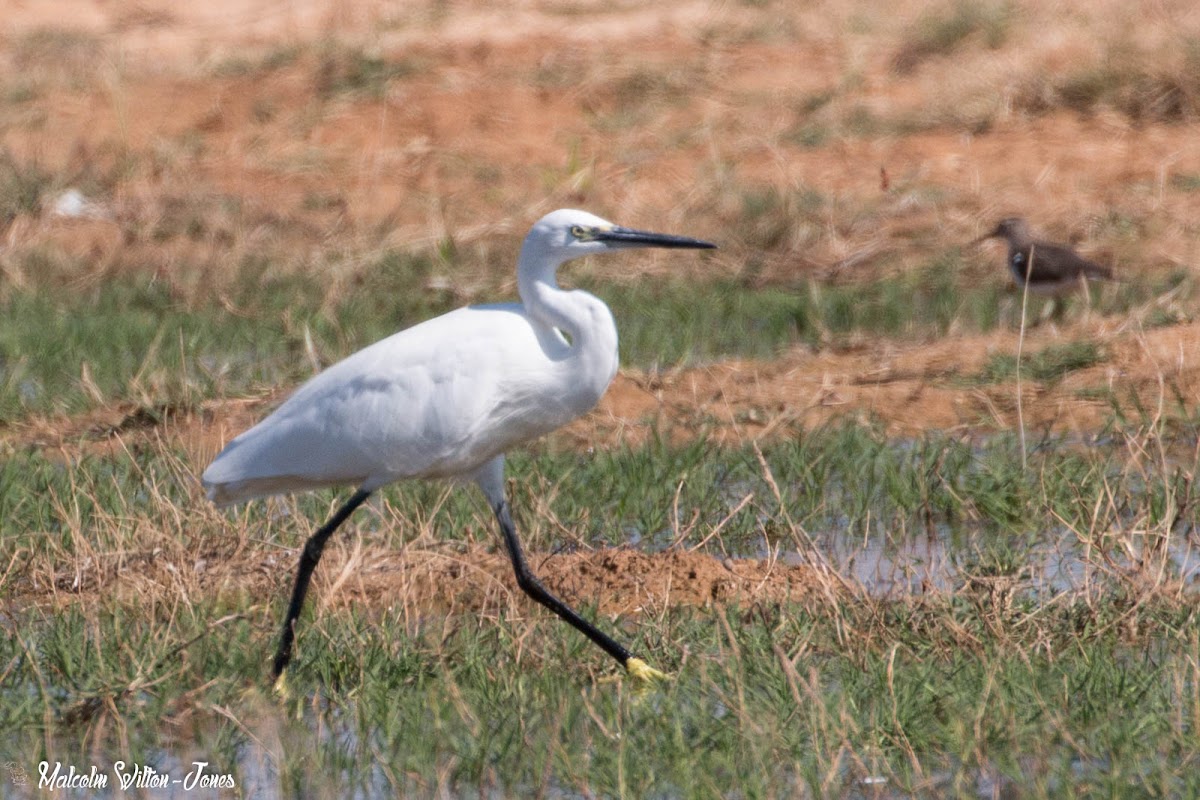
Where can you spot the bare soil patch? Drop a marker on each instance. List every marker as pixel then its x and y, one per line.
pixel 446 578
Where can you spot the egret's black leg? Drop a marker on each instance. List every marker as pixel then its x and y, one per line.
pixel 308 562
pixel 534 588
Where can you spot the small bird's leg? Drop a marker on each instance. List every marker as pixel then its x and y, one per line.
pixel 308 562
pixel 534 588
pixel 1059 308
pixel 1087 296
pixel 1051 312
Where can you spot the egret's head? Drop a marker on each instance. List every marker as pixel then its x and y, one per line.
pixel 567 233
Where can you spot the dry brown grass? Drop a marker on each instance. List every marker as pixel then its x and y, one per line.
pixel 476 130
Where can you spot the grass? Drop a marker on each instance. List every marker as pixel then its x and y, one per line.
pixel 1160 86
pixel 846 479
pixel 136 626
pixel 342 70
pixel 1059 691
pixel 1048 365
pixel 628 99
pixel 988 628
pixel 941 31
pixel 931 699
pixel 136 338
pixel 276 59
pixel 22 186
pixel 140 339
pixel 56 56
pixel 1186 182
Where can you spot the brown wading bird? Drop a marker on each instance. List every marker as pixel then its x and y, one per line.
pixel 1048 269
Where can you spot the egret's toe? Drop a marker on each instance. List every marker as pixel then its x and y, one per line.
pixel 644 672
pixel 282 691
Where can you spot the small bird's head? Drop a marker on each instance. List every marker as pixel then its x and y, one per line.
pixel 1014 229
pixel 568 233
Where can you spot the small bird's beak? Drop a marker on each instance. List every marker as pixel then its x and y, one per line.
pixel 627 237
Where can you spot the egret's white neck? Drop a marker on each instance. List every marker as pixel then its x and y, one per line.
pixel 543 299
pixel 582 317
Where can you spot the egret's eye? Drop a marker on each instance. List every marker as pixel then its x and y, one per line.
pixel 581 233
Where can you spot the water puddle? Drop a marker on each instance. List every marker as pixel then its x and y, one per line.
pixel 943 561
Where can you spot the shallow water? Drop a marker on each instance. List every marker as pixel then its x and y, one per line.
pixel 945 560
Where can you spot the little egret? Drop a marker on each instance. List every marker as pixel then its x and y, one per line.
pixel 446 399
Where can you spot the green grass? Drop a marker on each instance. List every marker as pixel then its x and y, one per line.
pixel 1060 692
pixel 134 337
pixel 343 70
pixel 776 703
pixel 844 480
pixel 139 341
pixel 1185 182
pixel 22 186
pixel 1049 364
pixel 942 31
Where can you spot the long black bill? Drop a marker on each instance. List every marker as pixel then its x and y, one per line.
pixel 628 237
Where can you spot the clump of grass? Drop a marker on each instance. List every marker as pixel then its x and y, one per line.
pixel 831 113
pixel 1186 182
pixel 23 185
pixel 342 70
pixel 276 59
pixel 631 97
pixel 942 31
pixel 1140 96
pixel 1047 365
pixel 57 53
pixel 809 134
pixel 1144 87
pixel 772 219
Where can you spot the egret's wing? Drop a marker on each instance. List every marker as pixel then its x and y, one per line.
pixel 421 402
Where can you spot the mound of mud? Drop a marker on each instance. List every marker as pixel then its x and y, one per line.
pixel 613 581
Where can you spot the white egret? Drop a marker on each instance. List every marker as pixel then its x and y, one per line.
pixel 445 399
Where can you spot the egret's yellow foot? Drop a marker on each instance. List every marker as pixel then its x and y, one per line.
pixel 644 672
pixel 281 687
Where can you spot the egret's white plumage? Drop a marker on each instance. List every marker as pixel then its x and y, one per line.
pixel 436 400
pixel 446 398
